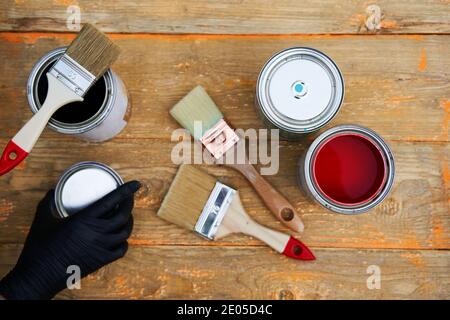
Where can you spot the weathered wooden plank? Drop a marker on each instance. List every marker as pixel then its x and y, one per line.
pixel 415 216
pixel 396 85
pixel 259 273
pixel 236 17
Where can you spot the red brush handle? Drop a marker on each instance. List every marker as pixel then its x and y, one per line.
pixel 297 250
pixel 11 157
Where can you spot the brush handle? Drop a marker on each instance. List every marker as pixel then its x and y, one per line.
pixel 281 242
pixel 236 220
pixel 274 200
pixel 23 142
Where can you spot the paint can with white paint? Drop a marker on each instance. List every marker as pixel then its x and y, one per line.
pixel 83 184
pixel 102 115
pixel 299 90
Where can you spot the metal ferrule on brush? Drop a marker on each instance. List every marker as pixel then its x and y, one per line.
pixel 214 210
pixel 73 75
pixel 219 139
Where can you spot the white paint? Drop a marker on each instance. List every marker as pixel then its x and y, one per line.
pixel 86 186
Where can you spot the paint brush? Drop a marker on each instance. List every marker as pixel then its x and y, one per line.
pixel 86 59
pixel 216 211
pixel 219 138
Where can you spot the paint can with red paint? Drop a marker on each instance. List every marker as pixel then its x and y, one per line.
pixel 102 115
pixel 299 90
pixel 348 169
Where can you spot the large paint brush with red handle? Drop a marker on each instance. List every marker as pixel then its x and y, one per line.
pixel 88 57
pixel 196 201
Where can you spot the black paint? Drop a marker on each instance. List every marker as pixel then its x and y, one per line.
pixel 75 112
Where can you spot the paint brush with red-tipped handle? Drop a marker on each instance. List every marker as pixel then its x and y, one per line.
pixel 87 58
pixel 197 201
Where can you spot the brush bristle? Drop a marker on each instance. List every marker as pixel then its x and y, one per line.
pixel 186 197
pixel 93 50
pixel 196 106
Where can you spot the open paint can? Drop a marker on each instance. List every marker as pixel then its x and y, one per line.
pixel 83 184
pixel 298 91
pixel 348 169
pixel 101 116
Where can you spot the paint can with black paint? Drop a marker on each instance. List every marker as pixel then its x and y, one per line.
pixel 102 115
pixel 299 90
pixel 347 169
pixel 83 184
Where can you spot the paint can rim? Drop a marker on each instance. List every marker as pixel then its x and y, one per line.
pixel 283 122
pixel 67 174
pixel 306 168
pixel 62 127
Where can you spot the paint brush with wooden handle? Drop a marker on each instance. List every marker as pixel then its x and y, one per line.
pixel 216 211
pixel 87 58
pixel 217 136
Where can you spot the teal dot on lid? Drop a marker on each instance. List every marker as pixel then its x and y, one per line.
pixel 299 87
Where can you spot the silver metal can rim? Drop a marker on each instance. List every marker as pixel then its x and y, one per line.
pixel 76 168
pixel 317 195
pixel 69 128
pixel 283 122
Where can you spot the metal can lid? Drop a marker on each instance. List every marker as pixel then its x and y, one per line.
pixel 83 184
pixel 300 89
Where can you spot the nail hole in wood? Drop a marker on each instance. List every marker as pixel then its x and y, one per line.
pixel 287 214
pixel 12 155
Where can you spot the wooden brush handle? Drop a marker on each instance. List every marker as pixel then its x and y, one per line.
pixel 236 220
pixel 276 202
pixel 283 243
pixel 20 146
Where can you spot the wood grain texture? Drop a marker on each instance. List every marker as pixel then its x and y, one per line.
pixel 190 272
pixel 230 17
pixel 414 216
pixel 397 78
pixel 384 88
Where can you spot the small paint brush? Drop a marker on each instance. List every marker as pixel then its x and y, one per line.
pixel 218 137
pixel 216 211
pixel 86 59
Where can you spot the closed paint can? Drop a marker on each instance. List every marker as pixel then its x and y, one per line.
pixel 83 184
pixel 298 91
pixel 348 169
pixel 101 116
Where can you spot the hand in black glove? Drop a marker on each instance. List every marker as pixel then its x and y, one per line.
pixel 90 239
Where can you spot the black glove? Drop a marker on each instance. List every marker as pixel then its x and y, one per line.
pixel 89 239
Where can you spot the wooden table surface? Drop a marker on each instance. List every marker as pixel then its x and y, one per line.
pixel 397 73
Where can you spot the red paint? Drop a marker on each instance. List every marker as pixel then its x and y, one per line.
pixel 297 250
pixel 6 163
pixel 349 169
